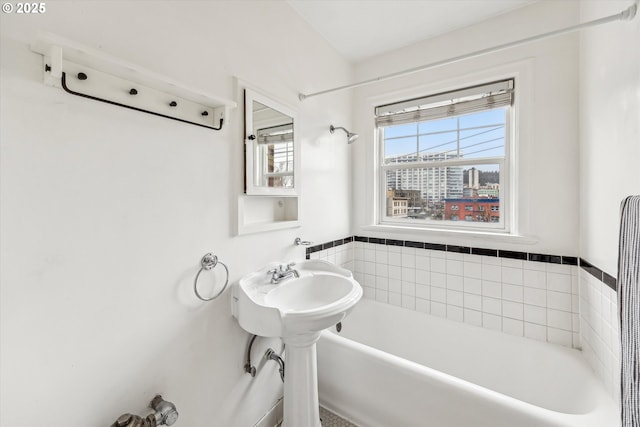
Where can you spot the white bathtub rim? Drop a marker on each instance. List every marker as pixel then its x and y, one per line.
pixel 563 418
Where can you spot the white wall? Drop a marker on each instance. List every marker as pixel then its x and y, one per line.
pixel 609 164
pixel 547 144
pixel 106 212
pixel 609 129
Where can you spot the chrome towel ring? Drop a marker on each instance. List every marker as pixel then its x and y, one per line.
pixel 208 262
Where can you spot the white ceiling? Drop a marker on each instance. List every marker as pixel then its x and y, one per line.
pixel 360 29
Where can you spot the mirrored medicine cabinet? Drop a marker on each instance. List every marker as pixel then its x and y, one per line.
pixel 272 154
pixel 271 150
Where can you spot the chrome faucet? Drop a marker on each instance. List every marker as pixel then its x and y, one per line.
pixel 278 274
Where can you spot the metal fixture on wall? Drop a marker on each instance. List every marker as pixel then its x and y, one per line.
pixel 300 242
pixel 208 262
pixel 350 135
pixel 133 92
pixel 165 414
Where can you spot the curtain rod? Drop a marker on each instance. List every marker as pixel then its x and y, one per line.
pixel 626 15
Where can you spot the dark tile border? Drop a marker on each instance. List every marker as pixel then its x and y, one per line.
pixel 605 278
pixel 525 256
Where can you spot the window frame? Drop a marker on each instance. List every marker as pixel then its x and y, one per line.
pixel 506 164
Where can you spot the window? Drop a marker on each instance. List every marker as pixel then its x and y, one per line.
pixel 445 150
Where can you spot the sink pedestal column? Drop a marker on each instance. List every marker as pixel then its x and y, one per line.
pixel 301 405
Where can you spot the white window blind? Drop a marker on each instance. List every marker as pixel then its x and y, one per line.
pixel 454 103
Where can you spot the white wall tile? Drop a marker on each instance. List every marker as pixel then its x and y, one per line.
pixel 438 265
pixel 535 279
pixel 535 331
pixel 438 279
pixel 382 256
pixel 394 258
pixel 512 275
pixel 382 283
pixel 509 262
pixel 456 256
pixel 423 277
pixel 492 273
pixel 409 288
pixel 559 301
pixel 395 285
pixel 409 302
pixel 535 296
pixel 490 260
pixel 408 274
pixel 369 292
pixel 512 310
pixel 535 314
pixel 492 306
pixel 455 267
pixel 559 319
pixel 455 282
pixel 438 295
pixel 438 309
pixel 491 289
pixel 423 262
pixel 491 321
pixel 382 270
pixel 512 326
pixel 382 296
pixel 455 298
pixel 409 260
pixel 423 305
pixel 512 292
pixel 472 317
pixel 395 299
pixel 537 300
pixel 472 286
pixel 423 291
pixel 534 266
pixel 473 301
pixel 455 313
pixel 395 272
pixel 559 282
pixel 558 336
pixel 472 270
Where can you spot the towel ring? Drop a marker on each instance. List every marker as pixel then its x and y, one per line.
pixel 208 262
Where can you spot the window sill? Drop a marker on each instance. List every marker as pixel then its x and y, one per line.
pixel 461 234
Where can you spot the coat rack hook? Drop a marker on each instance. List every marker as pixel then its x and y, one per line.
pixel 63 82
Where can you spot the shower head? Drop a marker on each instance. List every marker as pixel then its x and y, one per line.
pixel 350 135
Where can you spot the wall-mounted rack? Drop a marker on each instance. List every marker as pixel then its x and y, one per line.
pixel 95 75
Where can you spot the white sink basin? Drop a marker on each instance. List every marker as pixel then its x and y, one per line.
pixel 320 297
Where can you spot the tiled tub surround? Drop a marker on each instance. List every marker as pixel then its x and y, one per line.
pixel 535 299
pixel 600 326
pixel 544 297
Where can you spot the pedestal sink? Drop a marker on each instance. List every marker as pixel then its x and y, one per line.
pixel 296 308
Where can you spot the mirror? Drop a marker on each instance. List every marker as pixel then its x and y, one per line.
pixel 271 151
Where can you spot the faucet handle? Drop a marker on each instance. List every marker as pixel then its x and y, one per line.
pixel 274 270
pixel 291 264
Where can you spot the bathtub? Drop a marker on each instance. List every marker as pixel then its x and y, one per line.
pixel 393 367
